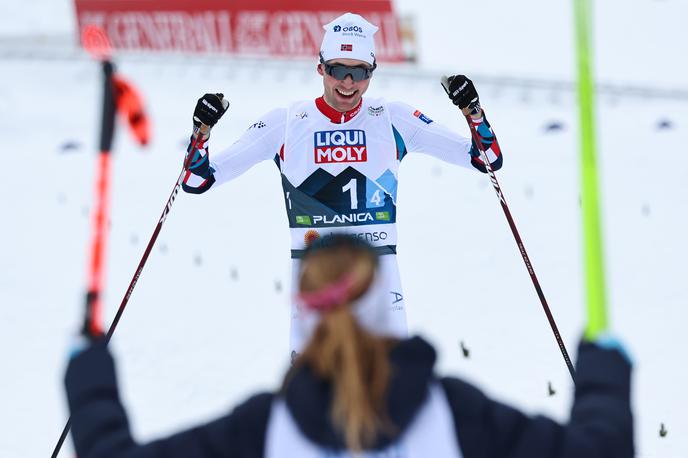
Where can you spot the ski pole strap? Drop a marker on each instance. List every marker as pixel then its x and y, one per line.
pixel 379 250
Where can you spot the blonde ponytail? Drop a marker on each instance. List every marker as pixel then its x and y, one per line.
pixel 357 364
pixel 342 352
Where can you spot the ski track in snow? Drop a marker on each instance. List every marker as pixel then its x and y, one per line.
pixel 208 324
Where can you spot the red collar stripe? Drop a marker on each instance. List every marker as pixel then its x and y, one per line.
pixel 335 116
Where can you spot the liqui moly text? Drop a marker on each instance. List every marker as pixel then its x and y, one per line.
pixel 340 146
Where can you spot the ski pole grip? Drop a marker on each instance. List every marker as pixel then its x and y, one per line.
pixel 445 83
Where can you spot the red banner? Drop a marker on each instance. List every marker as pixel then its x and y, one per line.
pixel 247 27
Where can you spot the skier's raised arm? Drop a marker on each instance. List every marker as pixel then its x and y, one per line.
pixel 420 134
pixel 262 141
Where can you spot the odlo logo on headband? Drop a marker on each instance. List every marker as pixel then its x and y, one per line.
pixel 340 146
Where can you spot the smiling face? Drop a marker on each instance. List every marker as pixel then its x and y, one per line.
pixel 343 95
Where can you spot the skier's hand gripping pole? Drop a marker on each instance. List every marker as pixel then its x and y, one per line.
pixel 209 109
pixel 463 94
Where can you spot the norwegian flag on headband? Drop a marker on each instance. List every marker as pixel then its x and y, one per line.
pixel 347 47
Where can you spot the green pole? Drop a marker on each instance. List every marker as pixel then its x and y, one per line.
pixel 592 238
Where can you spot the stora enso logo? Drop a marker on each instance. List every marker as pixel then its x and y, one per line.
pixel 336 146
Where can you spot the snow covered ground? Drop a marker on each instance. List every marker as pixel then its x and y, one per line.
pixel 186 354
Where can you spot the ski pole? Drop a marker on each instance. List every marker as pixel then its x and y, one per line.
pixel 118 96
pixel 166 211
pixel 593 244
pixel 96 269
pixel 519 242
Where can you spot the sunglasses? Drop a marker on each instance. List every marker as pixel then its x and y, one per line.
pixel 340 72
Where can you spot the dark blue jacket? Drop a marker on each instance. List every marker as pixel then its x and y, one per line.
pixel 601 423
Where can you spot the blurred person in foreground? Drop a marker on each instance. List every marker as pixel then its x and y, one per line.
pixel 339 154
pixel 359 392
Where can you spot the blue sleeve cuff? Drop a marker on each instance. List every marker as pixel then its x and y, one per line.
pixel 77 345
pixel 608 341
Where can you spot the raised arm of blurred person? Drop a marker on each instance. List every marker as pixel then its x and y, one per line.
pixel 358 391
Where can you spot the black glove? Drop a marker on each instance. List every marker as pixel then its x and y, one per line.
pixel 209 109
pixel 462 93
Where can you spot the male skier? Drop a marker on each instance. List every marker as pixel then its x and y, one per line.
pixel 339 155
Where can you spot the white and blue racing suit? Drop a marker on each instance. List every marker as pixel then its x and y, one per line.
pixel 339 174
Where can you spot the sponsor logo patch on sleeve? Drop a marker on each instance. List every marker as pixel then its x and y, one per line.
pixel 422 117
